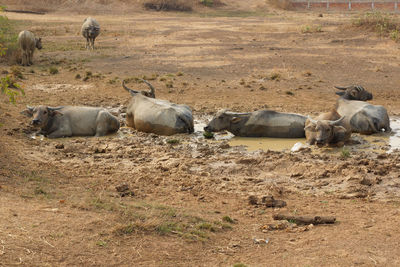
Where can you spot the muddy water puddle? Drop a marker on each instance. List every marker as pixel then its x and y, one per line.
pixel 380 142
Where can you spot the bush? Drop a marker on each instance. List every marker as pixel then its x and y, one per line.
pixel 8 40
pixel 10 88
pixel 383 23
pixel 168 5
pixel 53 70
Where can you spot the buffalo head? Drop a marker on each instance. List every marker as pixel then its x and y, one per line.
pixel 41 114
pixel 38 43
pixel 354 92
pixel 222 121
pixel 150 93
pixel 324 132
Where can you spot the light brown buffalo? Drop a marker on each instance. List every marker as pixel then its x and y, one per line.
pixel 328 129
pixel 27 43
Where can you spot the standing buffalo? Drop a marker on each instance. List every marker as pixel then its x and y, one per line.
pixel 327 129
pixel 90 30
pixel 28 42
pixel 262 123
pixel 147 114
pixel 363 117
pixel 72 121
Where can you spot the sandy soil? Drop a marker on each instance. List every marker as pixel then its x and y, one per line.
pixel 187 203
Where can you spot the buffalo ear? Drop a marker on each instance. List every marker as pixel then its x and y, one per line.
pixel 235 119
pixel 340 93
pixel 28 111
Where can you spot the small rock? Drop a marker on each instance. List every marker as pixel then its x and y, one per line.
pixel 320 15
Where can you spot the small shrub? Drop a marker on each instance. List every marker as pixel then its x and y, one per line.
pixel 173 141
pixel 53 70
pixel 345 153
pixel 77 76
pixel 275 76
pixel 383 23
pixel 10 88
pixel 208 135
pixel 208 3
pixel 228 219
pixel 311 28
pixel 168 5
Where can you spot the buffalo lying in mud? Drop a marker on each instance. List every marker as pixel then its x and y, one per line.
pixel 262 123
pixel 55 122
pixel 327 129
pixel 147 114
pixel 363 117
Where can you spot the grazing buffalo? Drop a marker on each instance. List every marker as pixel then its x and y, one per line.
pixel 28 43
pixel 363 117
pixel 327 129
pixel 55 122
pixel 147 114
pixel 262 123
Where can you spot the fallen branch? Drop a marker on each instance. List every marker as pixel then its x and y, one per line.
pixel 25 11
pixel 306 219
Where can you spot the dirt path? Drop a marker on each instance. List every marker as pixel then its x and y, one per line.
pixel 187 203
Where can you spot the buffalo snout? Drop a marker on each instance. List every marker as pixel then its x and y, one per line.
pixel 207 129
pixel 36 122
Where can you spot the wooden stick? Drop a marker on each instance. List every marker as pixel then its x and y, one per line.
pixel 306 219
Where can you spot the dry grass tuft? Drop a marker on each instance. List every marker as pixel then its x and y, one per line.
pixel 168 5
pixel 384 24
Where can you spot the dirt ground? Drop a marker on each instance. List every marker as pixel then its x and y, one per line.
pixel 141 199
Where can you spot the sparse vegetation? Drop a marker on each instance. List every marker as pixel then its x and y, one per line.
pixel 345 153
pixel 168 5
pixel 173 141
pixel 8 39
pixel 77 76
pixel 311 28
pixel 275 76
pixel 208 135
pixel 228 219
pixel 53 70
pixel 384 24
pixel 10 88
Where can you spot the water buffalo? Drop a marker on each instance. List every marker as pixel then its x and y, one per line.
pixel 55 122
pixel 90 30
pixel 28 42
pixel 147 114
pixel 262 123
pixel 363 117
pixel 327 129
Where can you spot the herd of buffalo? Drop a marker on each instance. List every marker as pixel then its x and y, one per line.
pixel 148 114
